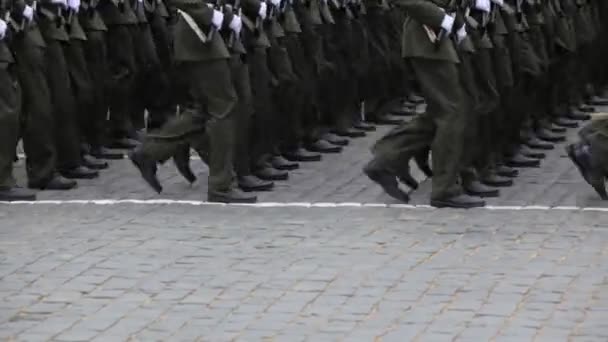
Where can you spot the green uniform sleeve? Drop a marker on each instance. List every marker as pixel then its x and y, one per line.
pixel 251 8
pixel 423 11
pixel 198 10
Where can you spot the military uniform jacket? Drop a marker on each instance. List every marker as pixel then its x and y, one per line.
pixel 48 23
pixel 89 16
pixel 187 43
pixel 116 15
pixel 415 41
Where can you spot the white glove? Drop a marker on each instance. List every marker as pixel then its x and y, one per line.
pixel 218 19
pixel 276 3
pixel 498 2
pixel 461 34
pixel 447 23
pixel 59 2
pixel 74 5
pixel 263 9
pixel 483 5
pixel 2 29
pixel 28 12
pixel 236 24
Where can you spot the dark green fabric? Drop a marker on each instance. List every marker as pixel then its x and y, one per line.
pixel 121 78
pixel 210 86
pixel 96 58
pixel 243 115
pixel 442 127
pixel 38 124
pixel 82 85
pixel 67 134
pixel 415 41
pixel 10 107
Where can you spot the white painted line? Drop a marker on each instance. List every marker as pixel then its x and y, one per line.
pixel 506 207
pixel 287 204
pixel 536 207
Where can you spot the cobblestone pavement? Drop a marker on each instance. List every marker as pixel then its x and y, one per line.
pixel 156 272
pixel 338 178
pixel 180 273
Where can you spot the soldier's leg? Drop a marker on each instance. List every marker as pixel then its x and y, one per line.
pixel 95 129
pixel 471 138
pixel 287 103
pixel 151 85
pixel 211 88
pixel 37 132
pixel 163 106
pixel 121 76
pixel 442 127
pixel 10 108
pixel 486 81
pixel 264 129
pixel 83 90
pixel 67 132
pixel 441 87
pixel 10 104
pixel 242 118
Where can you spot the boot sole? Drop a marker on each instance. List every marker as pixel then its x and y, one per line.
pixel 17 199
pixel 504 184
pixel 541 147
pixel 272 178
pixel 303 159
pixel 286 167
pixel 392 191
pixel 447 204
pixel 217 199
pixel 257 188
pixel 330 149
pixel 156 187
pixel 526 165
pixel 88 176
pixel 489 194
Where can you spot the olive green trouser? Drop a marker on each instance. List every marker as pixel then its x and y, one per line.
pixel 210 87
pixel 471 148
pixel 82 86
pixel 442 127
pixel 96 56
pixel 67 132
pixel 243 115
pixel 120 79
pixel 38 124
pixel 10 107
pixel 503 70
pixel 486 80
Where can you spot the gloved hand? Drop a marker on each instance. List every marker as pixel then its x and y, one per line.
pixel 28 12
pixel 217 19
pixel 263 10
pixel 236 24
pixel 59 2
pixel 483 5
pixel 2 29
pixel 461 34
pixel 276 3
pixel 74 5
pixel 447 23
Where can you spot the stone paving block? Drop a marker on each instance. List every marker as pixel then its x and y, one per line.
pixel 77 335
